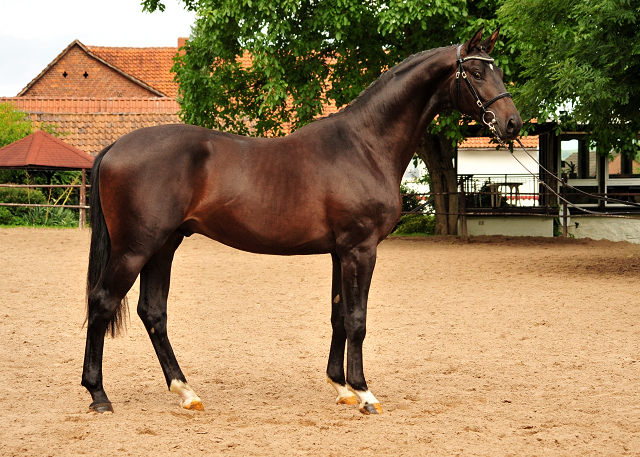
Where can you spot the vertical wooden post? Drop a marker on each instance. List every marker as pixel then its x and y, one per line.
pixel 462 207
pixel 602 172
pixel 83 200
pixel 564 208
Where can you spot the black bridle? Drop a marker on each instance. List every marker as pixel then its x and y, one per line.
pixel 461 72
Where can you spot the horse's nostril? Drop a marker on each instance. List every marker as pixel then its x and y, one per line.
pixel 513 125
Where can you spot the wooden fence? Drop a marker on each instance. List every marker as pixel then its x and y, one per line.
pixel 82 207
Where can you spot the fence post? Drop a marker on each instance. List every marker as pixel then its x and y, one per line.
pixel 462 207
pixel 83 198
pixel 564 208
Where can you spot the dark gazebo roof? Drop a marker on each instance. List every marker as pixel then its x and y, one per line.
pixel 40 150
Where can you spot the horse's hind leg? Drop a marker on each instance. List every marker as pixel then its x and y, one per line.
pixel 335 366
pixel 152 309
pixel 105 300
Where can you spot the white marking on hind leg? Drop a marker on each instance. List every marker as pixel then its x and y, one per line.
pixel 345 396
pixel 188 398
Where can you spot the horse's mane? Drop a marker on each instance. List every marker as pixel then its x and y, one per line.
pixel 382 80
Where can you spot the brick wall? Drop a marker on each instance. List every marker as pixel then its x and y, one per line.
pixel 66 78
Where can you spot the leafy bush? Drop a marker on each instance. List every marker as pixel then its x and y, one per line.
pixel 51 217
pixel 6 217
pixel 414 224
pixel 20 195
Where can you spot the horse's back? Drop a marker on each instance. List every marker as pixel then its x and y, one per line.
pixel 256 194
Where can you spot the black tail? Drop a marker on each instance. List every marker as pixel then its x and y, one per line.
pixel 101 247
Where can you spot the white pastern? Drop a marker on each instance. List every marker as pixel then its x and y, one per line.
pixel 368 403
pixel 345 396
pixel 365 397
pixel 188 398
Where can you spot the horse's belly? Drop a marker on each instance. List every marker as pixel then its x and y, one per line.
pixel 268 233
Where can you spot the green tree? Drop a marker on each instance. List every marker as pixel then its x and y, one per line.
pixel 13 124
pixel 306 54
pixel 580 60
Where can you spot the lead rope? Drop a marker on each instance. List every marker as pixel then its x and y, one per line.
pixel 564 200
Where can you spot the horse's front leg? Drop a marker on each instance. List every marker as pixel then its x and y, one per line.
pixel 335 366
pixel 357 268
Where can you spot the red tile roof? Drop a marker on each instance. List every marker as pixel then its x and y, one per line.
pixel 150 65
pixel 42 150
pixel 159 105
pixel 92 132
pixel 91 124
pixel 483 142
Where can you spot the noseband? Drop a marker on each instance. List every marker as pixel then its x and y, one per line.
pixel 491 123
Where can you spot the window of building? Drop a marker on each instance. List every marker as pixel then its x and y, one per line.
pixel 578 160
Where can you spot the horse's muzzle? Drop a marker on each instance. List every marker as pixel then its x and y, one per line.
pixel 512 127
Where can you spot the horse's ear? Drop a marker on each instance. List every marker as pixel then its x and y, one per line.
pixel 488 44
pixel 473 42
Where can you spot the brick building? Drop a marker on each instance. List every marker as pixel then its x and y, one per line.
pixel 96 94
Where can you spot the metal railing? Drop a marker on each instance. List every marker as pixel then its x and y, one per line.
pixel 521 195
pixel 499 190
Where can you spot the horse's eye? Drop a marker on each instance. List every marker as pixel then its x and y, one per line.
pixel 477 75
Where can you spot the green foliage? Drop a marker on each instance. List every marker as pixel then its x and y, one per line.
pixel 39 216
pixel 416 224
pixel 45 177
pixel 579 63
pixel 50 217
pixel 305 54
pixel 20 195
pixel 13 124
pixel 18 215
pixel 410 201
pixel 152 5
pixel 6 216
pixel 412 224
pixel 59 217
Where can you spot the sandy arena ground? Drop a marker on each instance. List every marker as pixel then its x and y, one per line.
pixel 481 346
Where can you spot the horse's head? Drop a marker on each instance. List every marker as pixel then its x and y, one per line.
pixel 478 91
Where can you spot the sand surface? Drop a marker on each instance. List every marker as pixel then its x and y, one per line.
pixel 481 346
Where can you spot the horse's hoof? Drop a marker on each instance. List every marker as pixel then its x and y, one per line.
pixel 195 405
pixel 371 408
pixel 188 398
pixel 352 400
pixel 101 407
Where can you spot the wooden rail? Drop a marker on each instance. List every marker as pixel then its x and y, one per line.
pixel 82 207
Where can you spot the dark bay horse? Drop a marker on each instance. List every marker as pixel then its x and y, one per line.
pixel 330 187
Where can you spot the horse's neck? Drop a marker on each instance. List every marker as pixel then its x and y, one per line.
pixel 394 117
